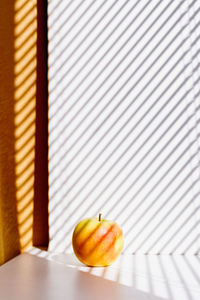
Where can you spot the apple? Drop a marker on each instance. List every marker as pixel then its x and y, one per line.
pixel 97 242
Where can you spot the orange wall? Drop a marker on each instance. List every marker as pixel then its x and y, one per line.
pixel 23 128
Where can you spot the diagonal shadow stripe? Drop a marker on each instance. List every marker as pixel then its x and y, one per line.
pixel 121 61
pixel 63 51
pixel 161 122
pixel 127 177
pixel 105 40
pixel 113 70
pixel 132 128
pixel 191 230
pixel 101 56
pixel 56 7
pixel 149 178
pixel 87 35
pixel 124 97
pixel 76 35
pixel 126 122
pixel 160 152
pixel 63 12
pixel 185 194
pixel 139 120
pixel 180 199
pixel 67 151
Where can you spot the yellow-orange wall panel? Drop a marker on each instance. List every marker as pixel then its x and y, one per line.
pixel 23 172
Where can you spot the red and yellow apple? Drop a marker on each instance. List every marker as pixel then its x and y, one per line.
pixel 97 242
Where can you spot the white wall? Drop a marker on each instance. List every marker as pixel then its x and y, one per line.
pixel 124 129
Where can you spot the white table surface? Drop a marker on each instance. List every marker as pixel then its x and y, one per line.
pixel 38 274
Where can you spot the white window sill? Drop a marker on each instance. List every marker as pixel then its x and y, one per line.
pixel 38 274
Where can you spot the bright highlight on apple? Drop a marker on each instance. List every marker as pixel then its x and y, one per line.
pixel 97 242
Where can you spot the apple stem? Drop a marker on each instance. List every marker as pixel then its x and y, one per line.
pixel 100 217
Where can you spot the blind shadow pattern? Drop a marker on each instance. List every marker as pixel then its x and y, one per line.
pixel 25 45
pixel 124 121
pixel 164 276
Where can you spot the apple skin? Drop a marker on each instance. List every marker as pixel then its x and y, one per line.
pixel 97 242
